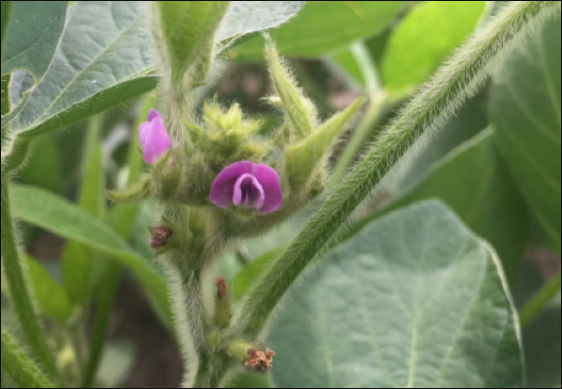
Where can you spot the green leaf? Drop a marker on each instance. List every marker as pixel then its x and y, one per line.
pixel 185 36
pixel 246 18
pixel 414 300
pixel 468 122
pixel 103 60
pixel 50 296
pixel 82 266
pixel 426 36
pixel 43 169
pixel 525 108
pixel 542 349
pixel 251 272
pixel 324 26
pixel 32 35
pixel 474 183
pixel 6 13
pixel 54 214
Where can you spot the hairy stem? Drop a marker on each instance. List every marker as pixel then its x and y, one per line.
pixel 540 300
pixel 459 79
pixel 21 297
pixel 19 367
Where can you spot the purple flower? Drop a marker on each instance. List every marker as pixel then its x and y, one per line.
pixel 153 137
pixel 249 185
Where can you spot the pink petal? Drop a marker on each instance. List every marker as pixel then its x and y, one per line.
pixel 222 190
pixel 269 180
pixel 252 188
pixel 156 140
pixel 153 114
pixel 144 129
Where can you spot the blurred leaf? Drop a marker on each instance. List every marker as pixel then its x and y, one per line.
pixel 324 26
pixel 525 108
pixel 116 364
pixel 249 17
pixel 543 349
pixel 468 122
pixel 6 13
pixel 246 277
pixel 43 168
pixel 32 35
pixel 103 60
pixel 414 300
pixel 474 183
pixel 424 38
pixel 81 265
pixel 347 62
pixel 50 296
pixel 54 214
pixel 250 380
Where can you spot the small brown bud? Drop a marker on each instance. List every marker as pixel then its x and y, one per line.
pixel 259 360
pixel 160 236
pixel 221 287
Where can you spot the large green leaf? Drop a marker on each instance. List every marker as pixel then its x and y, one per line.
pixel 32 35
pixel 414 300
pixel 525 108
pixel 54 214
pixel 102 60
pixel 324 26
pixel 426 36
pixel 246 18
pixel 474 183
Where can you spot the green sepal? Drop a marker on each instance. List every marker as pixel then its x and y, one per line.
pixel 138 191
pixel 300 112
pixel 305 158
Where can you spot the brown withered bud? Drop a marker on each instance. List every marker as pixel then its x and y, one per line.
pixel 221 287
pixel 259 360
pixel 160 236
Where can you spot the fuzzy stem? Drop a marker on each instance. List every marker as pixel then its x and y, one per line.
pixel 19 367
pixel 459 79
pixel 540 300
pixel 15 154
pixel 19 291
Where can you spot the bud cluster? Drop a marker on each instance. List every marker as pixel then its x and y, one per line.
pixel 244 182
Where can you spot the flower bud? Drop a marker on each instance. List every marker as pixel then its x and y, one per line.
pixel 153 138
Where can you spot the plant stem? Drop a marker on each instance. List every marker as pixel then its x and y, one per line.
pixel 540 300
pixel 21 297
pixel 105 306
pixel 377 104
pixel 19 367
pixel 460 78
